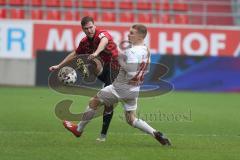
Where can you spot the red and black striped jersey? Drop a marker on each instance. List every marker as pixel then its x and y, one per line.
pixel 88 46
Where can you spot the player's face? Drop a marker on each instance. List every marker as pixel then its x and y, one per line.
pixel 89 29
pixel 133 36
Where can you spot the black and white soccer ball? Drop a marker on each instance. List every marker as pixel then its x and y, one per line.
pixel 67 75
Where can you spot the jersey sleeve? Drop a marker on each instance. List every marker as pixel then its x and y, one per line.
pixel 104 34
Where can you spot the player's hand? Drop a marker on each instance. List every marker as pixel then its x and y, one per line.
pixel 92 56
pixel 52 68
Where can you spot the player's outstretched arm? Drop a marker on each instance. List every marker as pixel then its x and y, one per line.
pixel 69 57
pixel 103 43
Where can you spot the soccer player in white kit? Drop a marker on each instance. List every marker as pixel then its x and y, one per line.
pixel 125 89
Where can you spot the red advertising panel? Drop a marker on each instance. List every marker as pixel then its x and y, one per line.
pixel 162 40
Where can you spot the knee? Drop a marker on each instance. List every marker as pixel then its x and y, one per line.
pixel 94 102
pixel 108 109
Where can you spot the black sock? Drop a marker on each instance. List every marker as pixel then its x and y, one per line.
pixel 107 117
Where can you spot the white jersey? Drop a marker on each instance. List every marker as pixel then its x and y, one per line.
pixel 126 86
pixel 131 75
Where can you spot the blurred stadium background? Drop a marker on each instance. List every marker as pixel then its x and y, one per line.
pixel 198 40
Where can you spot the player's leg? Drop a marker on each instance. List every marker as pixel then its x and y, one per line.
pixel 138 123
pixel 104 96
pixel 107 117
pixel 89 113
pixel 108 110
pixel 130 114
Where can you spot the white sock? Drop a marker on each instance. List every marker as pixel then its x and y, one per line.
pixel 143 126
pixel 87 116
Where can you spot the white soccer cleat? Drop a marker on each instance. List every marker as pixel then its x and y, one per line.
pixel 102 138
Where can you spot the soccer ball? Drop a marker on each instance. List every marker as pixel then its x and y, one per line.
pixel 67 75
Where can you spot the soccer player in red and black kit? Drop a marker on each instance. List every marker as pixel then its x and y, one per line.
pixel 97 43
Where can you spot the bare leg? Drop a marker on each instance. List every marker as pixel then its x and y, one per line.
pixel 89 113
pixel 138 123
pixel 143 126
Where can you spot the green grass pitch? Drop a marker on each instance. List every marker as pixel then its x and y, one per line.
pixel 201 126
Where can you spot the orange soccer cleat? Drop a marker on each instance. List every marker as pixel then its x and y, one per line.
pixel 72 128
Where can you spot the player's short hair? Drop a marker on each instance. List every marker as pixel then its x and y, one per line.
pixel 141 29
pixel 86 19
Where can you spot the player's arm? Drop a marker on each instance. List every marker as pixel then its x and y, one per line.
pixel 141 71
pixel 103 43
pixel 69 57
pixel 128 62
pixel 122 60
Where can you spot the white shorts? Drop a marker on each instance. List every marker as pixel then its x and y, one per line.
pixel 110 95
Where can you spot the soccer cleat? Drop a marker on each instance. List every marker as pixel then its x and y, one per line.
pixel 161 139
pixel 102 138
pixel 72 128
pixel 82 67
